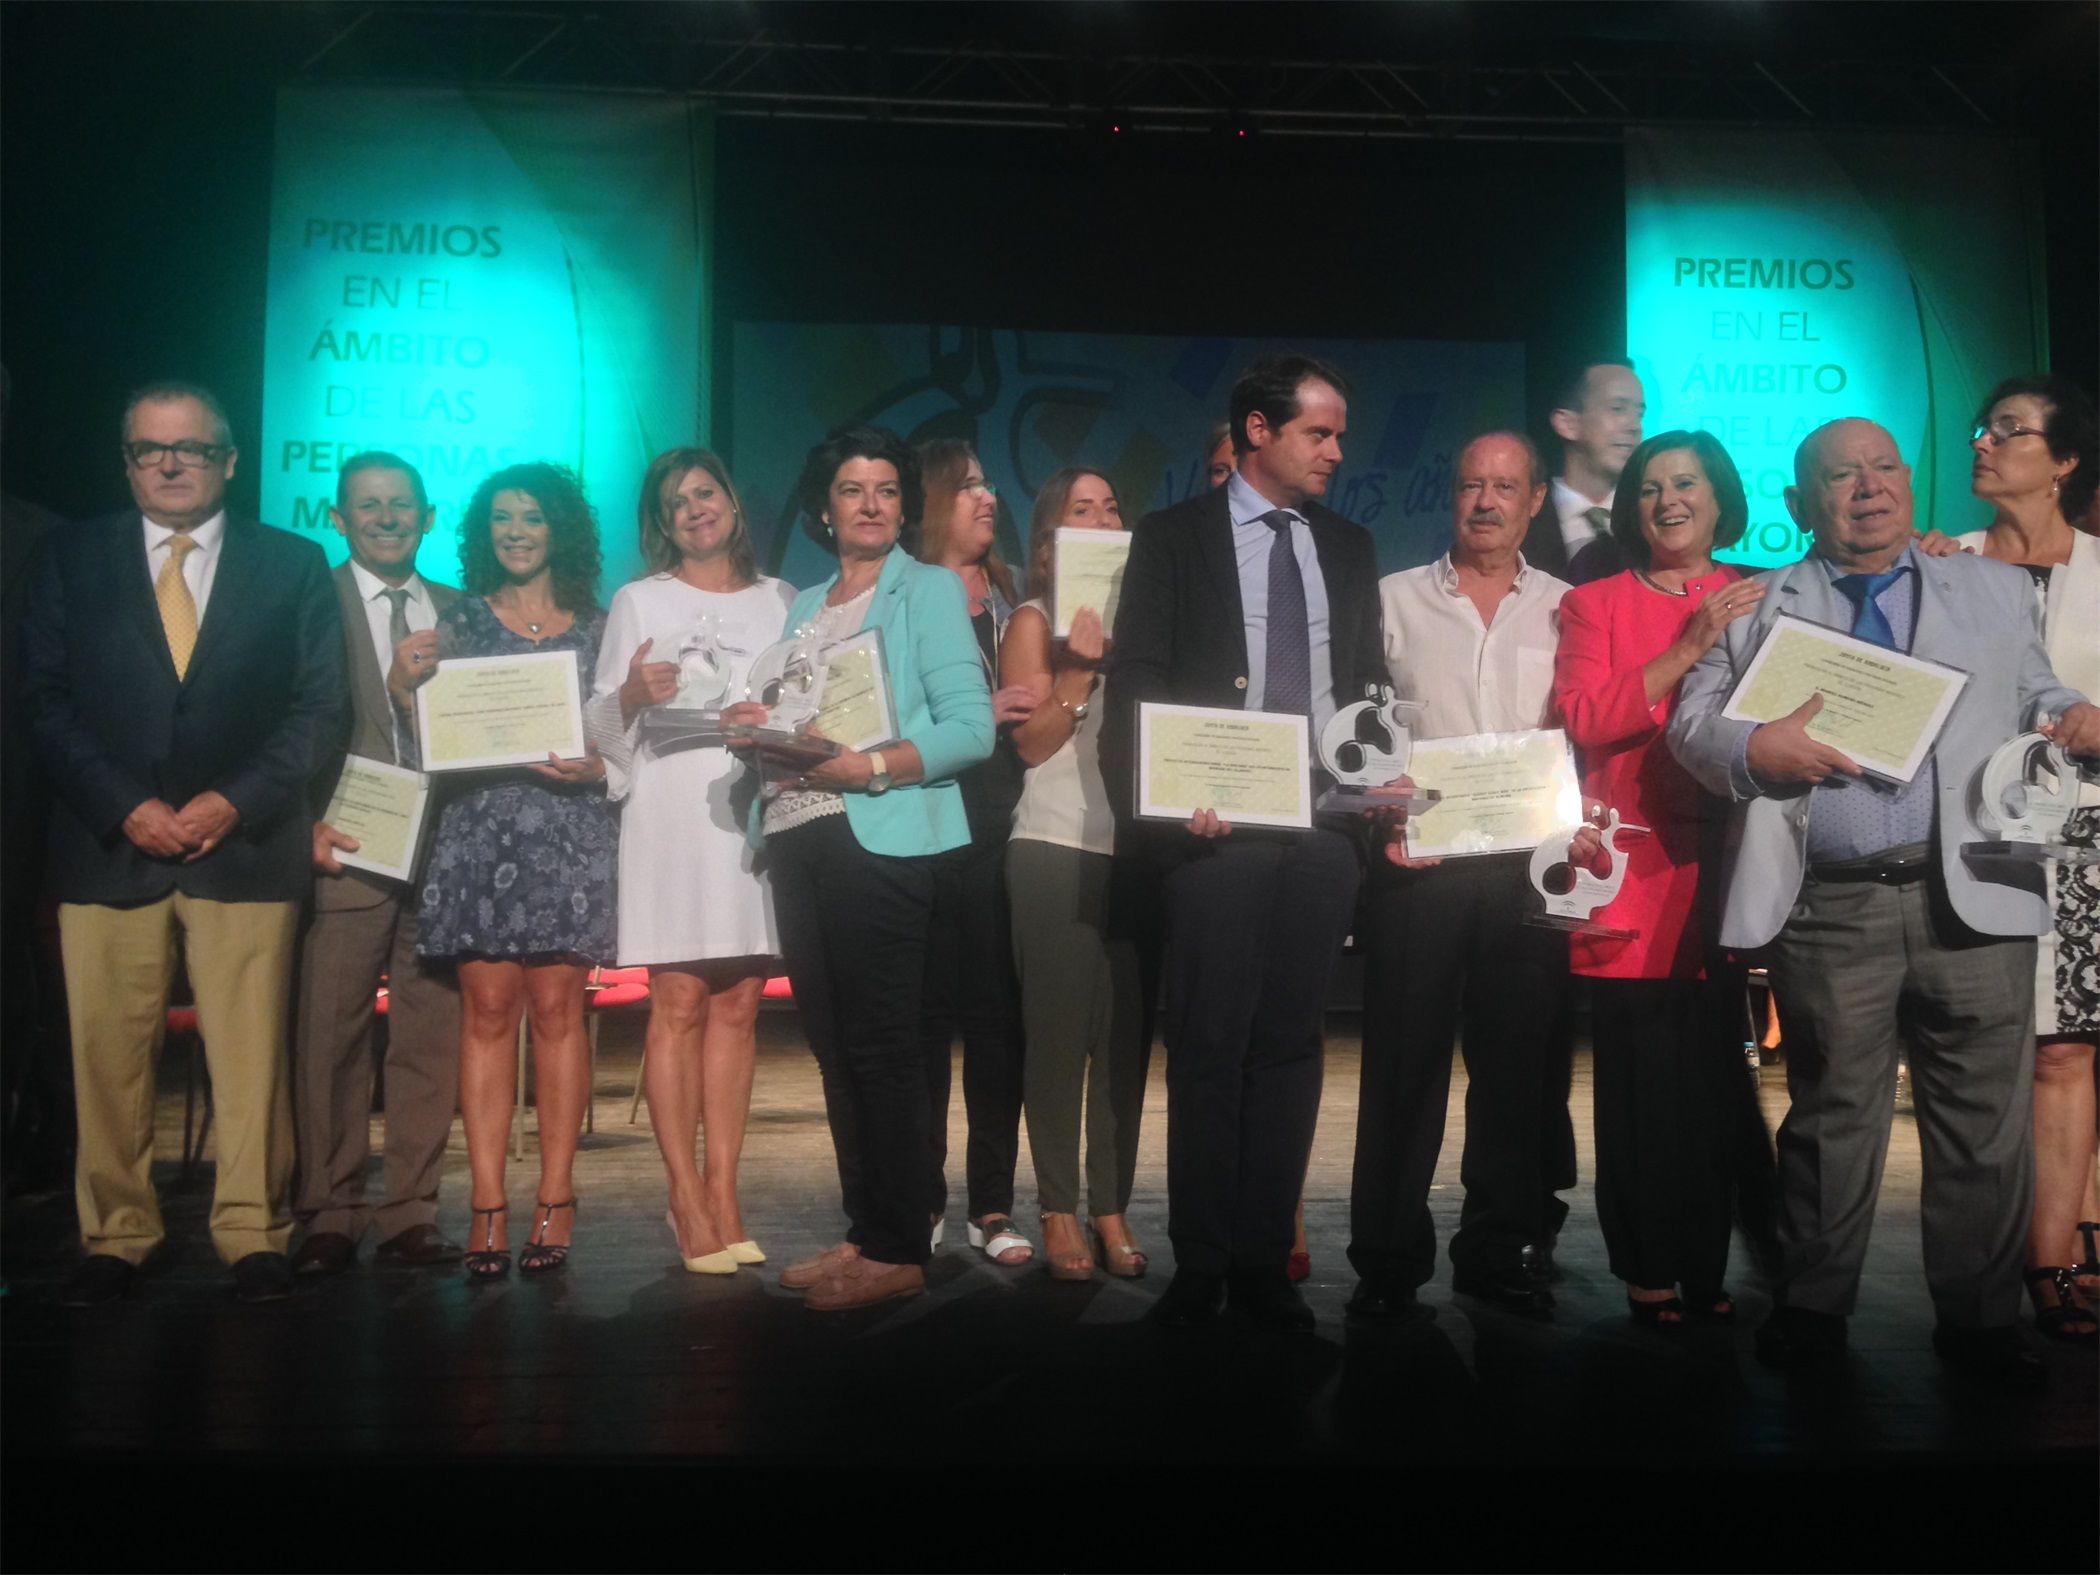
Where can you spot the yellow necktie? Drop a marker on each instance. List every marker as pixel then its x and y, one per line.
pixel 178 608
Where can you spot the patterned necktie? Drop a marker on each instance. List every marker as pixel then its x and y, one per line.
pixel 1287 677
pixel 178 608
pixel 1868 621
pixel 397 621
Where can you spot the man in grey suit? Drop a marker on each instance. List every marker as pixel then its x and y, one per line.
pixel 1880 935
pixel 363 928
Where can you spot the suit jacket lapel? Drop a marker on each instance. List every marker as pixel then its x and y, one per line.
pixel 230 586
pixel 132 587
pixel 1805 591
pixel 1214 547
pixel 367 680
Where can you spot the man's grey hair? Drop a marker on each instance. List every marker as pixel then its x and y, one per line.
pixel 159 393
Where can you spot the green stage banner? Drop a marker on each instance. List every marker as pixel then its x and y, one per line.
pixel 471 279
pixel 1776 280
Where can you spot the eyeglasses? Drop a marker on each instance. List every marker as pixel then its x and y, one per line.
pixel 1995 435
pixel 188 452
pixel 984 487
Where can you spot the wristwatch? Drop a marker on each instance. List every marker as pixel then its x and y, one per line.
pixel 879 782
pixel 1080 710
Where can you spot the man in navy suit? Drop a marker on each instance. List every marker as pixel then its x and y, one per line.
pixel 1250 596
pixel 183 682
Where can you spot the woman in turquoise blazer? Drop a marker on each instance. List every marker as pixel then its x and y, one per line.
pixel 851 843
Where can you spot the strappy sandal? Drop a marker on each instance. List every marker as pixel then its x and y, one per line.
pixel 1667 1314
pixel 2090 1269
pixel 1715 1306
pixel 2055 1320
pixel 996 1235
pixel 541 1257
pixel 490 1262
pixel 1124 1263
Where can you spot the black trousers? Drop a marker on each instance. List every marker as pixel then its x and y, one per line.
pixel 1446 949
pixel 1670 1089
pixel 971 991
pixel 1254 926
pixel 853 927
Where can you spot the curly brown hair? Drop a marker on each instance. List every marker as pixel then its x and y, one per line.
pixel 573 561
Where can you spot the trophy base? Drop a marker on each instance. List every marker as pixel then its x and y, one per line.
pixel 784 740
pixel 1561 921
pixel 1355 799
pixel 2028 853
pixel 665 728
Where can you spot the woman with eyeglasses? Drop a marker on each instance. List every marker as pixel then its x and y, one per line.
pixel 970 985
pixel 696 907
pixel 2037 457
pixel 520 886
pixel 854 842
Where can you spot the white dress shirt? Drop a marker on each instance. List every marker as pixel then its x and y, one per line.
pixel 1571 508
pixel 1471 677
pixel 199 569
pixel 1252 541
pixel 379 611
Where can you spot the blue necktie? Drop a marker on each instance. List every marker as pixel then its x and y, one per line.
pixel 1868 621
pixel 1287 675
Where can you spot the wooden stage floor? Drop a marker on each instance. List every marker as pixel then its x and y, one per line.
pixel 997 1374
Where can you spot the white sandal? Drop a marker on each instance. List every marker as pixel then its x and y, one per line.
pixel 1004 1239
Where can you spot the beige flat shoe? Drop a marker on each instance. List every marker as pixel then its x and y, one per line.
pixel 863 1283
pixel 813 1271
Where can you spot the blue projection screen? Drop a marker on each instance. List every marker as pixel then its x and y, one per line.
pixel 471 279
pixel 1776 280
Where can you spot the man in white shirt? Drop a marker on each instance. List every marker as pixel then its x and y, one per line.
pixel 1471 637
pixel 362 929
pixel 1596 418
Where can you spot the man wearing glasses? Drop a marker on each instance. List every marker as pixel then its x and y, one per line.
pixel 183 679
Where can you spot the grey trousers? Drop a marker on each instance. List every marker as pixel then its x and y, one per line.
pixel 342 955
pixel 1082 1008
pixel 1863 972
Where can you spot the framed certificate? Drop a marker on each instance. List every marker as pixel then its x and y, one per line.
pixel 1883 708
pixel 1249 766
pixel 858 710
pixel 481 711
pixel 1086 570
pixel 383 807
pixel 1498 792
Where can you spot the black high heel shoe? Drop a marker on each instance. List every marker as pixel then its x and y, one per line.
pixel 2066 1318
pixel 490 1262
pixel 2090 1268
pixel 1714 1306
pixel 542 1257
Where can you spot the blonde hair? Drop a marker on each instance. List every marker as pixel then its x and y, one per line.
pixel 660 553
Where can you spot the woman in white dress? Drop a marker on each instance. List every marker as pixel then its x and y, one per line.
pixel 695 909
pixel 2035 464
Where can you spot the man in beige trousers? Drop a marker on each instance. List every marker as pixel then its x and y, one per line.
pixel 182 680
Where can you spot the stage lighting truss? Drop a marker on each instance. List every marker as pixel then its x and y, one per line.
pixel 855 74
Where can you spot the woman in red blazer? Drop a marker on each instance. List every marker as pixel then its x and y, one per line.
pixel 1666 1031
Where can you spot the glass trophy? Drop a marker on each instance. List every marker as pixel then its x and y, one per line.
pixel 1364 747
pixel 693 716
pixel 787 678
pixel 1572 894
pixel 2028 790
